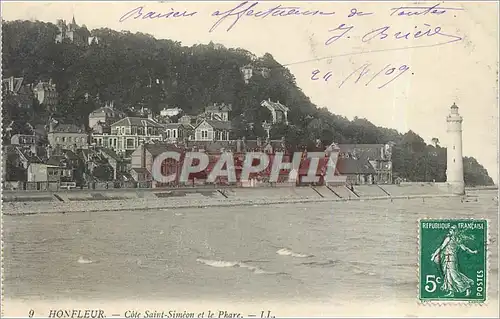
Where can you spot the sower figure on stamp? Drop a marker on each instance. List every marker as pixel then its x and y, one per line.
pixel 446 256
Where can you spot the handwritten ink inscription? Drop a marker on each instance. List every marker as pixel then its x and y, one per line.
pixel 387 32
pixel 247 9
pixel 139 13
pixel 382 76
pixel 421 11
pixel 419 35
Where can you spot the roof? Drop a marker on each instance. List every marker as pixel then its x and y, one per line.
pixel 274 105
pixel 137 121
pixel 67 128
pixel 363 151
pixel 172 125
pixel 219 108
pixel 40 129
pixel 157 149
pixel 110 153
pixel 56 160
pixel 104 109
pixel 70 155
pixel 221 125
pixel 353 166
pixel 85 153
pixel 29 155
pixel 140 170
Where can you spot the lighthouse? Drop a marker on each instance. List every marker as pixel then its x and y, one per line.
pixel 455 166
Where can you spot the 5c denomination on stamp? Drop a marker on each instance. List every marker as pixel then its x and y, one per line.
pixel 453 260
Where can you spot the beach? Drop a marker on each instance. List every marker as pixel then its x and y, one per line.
pixel 336 255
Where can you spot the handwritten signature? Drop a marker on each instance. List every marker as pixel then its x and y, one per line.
pixel 249 9
pixel 364 72
pixel 385 32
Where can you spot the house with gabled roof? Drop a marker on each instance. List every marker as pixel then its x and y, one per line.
pixel 378 155
pixel 104 116
pixel 279 112
pixel 209 130
pixel 218 112
pixel 176 131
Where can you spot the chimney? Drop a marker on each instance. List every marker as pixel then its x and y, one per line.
pixel 51 126
pixel 259 142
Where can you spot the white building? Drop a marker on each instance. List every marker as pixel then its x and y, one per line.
pixel 171 111
pixel 279 112
pixel 455 165
pixel 129 132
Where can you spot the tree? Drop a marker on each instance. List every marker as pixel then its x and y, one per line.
pixel 135 70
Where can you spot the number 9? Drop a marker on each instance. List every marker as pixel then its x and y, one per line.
pixel 31 313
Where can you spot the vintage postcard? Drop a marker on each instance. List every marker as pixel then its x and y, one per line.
pixel 249 159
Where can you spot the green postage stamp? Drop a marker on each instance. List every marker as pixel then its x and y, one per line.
pixel 453 260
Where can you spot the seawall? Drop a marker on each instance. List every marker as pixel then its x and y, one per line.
pixel 26 203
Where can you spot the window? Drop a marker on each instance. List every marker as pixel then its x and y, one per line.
pixel 168 133
pixel 204 134
pixel 174 135
pixel 64 139
pixel 58 139
pixel 453 146
pixel 130 142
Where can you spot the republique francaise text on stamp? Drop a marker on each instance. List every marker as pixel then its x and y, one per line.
pixel 453 260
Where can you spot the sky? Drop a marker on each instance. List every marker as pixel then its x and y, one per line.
pixel 410 65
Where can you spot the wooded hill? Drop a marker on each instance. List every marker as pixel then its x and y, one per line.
pixel 136 70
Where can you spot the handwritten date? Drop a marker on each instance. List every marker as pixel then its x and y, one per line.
pixel 364 72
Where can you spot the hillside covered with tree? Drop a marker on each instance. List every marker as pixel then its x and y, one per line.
pixel 137 70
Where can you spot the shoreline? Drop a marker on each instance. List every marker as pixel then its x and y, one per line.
pixel 10 210
pixel 41 202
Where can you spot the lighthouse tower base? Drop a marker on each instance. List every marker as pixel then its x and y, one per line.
pixel 456 188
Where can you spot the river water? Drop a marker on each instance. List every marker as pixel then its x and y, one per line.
pixel 344 251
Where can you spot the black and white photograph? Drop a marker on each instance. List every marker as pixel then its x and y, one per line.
pixel 249 159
